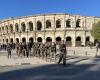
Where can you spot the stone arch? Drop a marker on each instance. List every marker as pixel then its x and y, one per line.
pixel 6 40
pixel 39 39
pixel 69 41
pixel 3 40
pixel 11 40
pixel 31 39
pixel 58 23
pixel 58 39
pixel 30 26
pixel 16 27
pixel 23 27
pixel 2 28
pixel 87 40
pixel 78 41
pixel 11 28
pixel 17 40
pixel 48 24
pixel 6 28
pixel 48 39
pixel 39 25
pixel 68 23
pixel 78 23
pixel 23 39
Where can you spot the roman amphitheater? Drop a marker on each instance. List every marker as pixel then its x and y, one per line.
pixel 74 29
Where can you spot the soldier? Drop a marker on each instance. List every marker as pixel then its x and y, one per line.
pixel 63 53
pixel 24 47
pixel 17 48
pixel 53 50
pixel 30 44
pixel 9 50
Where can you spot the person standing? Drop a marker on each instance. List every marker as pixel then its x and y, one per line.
pixel 9 50
pixel 63 53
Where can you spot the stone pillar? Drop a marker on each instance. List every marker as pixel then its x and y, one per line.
pixel 83 40
pixel 74 40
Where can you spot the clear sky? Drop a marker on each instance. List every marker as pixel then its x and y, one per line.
pixel 15 8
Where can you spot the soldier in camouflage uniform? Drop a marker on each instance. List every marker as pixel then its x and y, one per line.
pixel 63 53
pixel 17 48
pixel 9 50
pixel 53 50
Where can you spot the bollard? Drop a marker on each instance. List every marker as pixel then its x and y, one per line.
pixel 74 52
pixel 86 53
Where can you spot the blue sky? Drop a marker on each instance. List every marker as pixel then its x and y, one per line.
pixel 15 8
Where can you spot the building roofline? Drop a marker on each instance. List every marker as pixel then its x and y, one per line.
pixel 34 15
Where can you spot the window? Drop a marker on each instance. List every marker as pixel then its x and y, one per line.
pixel 23 26
pixel 68 23
pixel 16 27
pixel 11 28
pixel 58 24
pixel 39 26
pixel 78 23
pixel 48 24
pixel 30 26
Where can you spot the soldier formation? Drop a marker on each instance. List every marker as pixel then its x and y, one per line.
pixel 42 50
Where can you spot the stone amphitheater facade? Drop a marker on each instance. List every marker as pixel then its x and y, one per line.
pixel 74 29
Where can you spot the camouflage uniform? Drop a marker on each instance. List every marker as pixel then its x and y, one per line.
pixel 9 50
pixel 62 54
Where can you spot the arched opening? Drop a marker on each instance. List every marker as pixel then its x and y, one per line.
pixel 17 40
pixel 11 28
pixel 58 23
pixel 48 39
pixel 3 40
pixel 11 40
pixel 58 39
pixel 48 24
pixel 7 29
pixel 68 41
pixel 16 27
pixel 6 40
pixel 78 41
pixel 78 23
pixel 3 29
pixel 30 26
pixel 39 39
pixel 31 40
pixel 23 27
pixel 24 39
pixel 68 23
pixel 87 41
pixel 39 26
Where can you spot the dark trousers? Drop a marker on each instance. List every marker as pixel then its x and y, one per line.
pixel 62 57
pixel 9 54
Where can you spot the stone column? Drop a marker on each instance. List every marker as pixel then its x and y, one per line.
pixel 74 40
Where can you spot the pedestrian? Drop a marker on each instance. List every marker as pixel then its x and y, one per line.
pixel 97 46
pixel 63 53
pixel 9 50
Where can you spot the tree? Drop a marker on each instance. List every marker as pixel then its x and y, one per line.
pixel 95 32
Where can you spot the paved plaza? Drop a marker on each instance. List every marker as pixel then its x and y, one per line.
pixel 79 67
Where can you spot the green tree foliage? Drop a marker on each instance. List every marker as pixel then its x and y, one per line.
pixel 95 32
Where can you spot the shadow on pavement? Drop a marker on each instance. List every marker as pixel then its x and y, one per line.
pixel 53 72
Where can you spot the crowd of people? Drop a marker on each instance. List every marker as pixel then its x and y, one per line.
pixel 44 50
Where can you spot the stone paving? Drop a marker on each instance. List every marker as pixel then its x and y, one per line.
pixel 79 67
